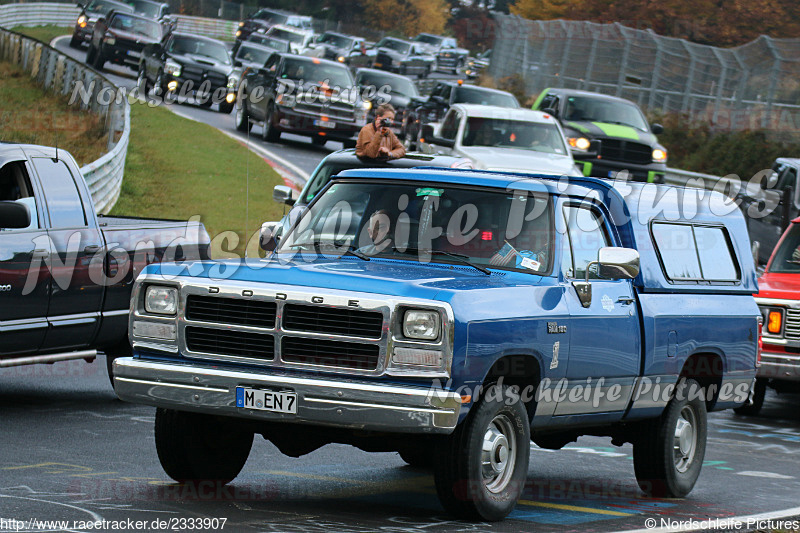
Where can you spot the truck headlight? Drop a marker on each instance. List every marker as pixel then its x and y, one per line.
pixel 340 59
pixel 233 81
pixel 659 156
pixel 424 325
pixel 579 143
pixel 173 68
pixel 82 21
pixel 161 300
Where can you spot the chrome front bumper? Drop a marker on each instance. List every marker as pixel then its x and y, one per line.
pixel 337 403
pixel 782 366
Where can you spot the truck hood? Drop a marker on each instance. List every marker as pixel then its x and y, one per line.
pixel 399 278
pixel 515 160
pixel 779 286
pixel 205 62
pixel 603 130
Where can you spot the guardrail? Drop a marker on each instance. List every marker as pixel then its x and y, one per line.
pixel 63 75
pixel 675 176
pixel 38 14
pixel 219 29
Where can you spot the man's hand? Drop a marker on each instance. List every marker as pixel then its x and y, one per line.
pixel 383 151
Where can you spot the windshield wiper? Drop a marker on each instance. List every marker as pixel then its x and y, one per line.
pixel 350 250
pixel 463 259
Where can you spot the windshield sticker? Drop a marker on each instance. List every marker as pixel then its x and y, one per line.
pixel 427 191
pixel 608 303
pixel 530 264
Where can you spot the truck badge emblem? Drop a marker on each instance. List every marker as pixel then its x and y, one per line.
pixel 554 362
pixel 608 303
pixel 553 327
pixel 5 288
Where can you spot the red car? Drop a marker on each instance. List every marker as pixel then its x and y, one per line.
pixel 779 301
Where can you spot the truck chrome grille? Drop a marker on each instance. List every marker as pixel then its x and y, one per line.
pixel 332 320
pixel 330 353
pixel 236 312
pixel 227 342
pixel 791 327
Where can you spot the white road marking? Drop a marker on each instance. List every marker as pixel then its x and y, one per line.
pixel 771 475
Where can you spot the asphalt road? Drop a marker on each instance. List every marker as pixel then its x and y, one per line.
pixel 69 450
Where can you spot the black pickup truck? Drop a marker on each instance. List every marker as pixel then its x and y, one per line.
pixel 65 273
pixel 120 37
pixel 301 95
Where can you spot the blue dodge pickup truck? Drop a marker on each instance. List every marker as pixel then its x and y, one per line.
pixel 454 316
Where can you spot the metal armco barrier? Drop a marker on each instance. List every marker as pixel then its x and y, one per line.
pixel 38 14
pixel 63 75
pixel 219 29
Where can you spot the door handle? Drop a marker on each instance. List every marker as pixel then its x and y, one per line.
pixel 625 300
pixel 91 249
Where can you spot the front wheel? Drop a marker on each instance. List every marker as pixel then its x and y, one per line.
pixel 269 132
pixel 242 119
pixel 668 455
pixel 141 82
pixel 225 107
pixel 198 447
pixel 481 468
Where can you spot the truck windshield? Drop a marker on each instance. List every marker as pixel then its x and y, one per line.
pixel 476 95
pixel 315 71
pixel 286 35
pixel 397 46
pixel 271 17
pixel 145 7
pixel 101 6
pixel 429 39
pixel 520 134
pixel 200 47
pixel 252 54
pixel 139 26
pixel 338 41
pixel 588 109
pixel 428 223
pixel 398 86
pixel 787 256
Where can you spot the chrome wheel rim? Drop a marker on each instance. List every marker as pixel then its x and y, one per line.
pixel 239 115
pixel 685 439
pixel 498 454
pixel 142 83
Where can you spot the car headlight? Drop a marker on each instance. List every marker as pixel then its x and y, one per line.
pixel 233 81
pixel 238 33
pixel 241 24
pixel 579 143
pixel 173 68
pixel 659 156
pixel 366 105
pixel 424 325
pixel 287 100
pixel 82 21
pixel 161 300
pixel 340 59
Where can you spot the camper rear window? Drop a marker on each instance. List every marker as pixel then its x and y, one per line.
pixel 695 253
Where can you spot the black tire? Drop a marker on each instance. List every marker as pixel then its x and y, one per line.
pixel 198 447
pixel 159 85
pixel 419 458
pixel 225 108
pixel 467 488
pixel 268 131
pixel 350 143
pixel 90 53
pixel 668 455
pixel 142 83
pixel 241 117
pixel 99 59
pixel 318 140
pixel 759 392
pixel 75 42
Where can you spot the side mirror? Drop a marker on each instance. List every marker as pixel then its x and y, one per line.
pixel 269 236
pixel 283 195
pixel 437 99
pixel 772 180
pixel 426 132
pixel 617 263
pixel 550 111
pixel 14 215
pixel 237 63
pixel 657 129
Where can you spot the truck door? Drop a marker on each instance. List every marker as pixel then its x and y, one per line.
pixel 24 277
pixel 75 299
pixel 604 349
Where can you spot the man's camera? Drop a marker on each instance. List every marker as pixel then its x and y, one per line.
pixel 385 122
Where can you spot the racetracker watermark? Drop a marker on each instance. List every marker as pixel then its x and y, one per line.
pixel 594 392
pixel 289 93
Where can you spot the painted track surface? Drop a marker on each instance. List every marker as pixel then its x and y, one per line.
pixel 87 454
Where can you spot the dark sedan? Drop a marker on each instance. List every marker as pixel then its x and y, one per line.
pixel 119 38
pixel 90 12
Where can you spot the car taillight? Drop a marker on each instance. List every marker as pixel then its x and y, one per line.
pixel 760 342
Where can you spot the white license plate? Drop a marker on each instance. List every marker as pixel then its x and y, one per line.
pixel 266 400
pixel 324 123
